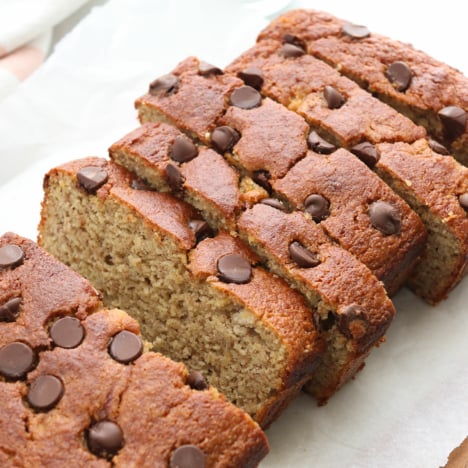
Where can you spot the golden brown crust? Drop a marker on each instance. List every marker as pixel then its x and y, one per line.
pixel 434 85
pixel 47 288
pixel 458 457
pixel 272 138
pixel 390 257
pixel 198 102
pixel 298 83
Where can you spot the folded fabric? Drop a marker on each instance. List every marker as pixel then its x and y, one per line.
pixel 25 36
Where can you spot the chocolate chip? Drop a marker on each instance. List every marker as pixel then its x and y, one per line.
pixel 292 39
pixel 196 380
pixel 16 359
pixel 385 217
pixel 11 256
pixel 291 51
pixel 318 144
pixel 45 392
pixel 188 456
pixel 67 332
pixel 164 85
pixel 140 184
pixel 224 138
pixel 175 179
pixel 333 97
pixel 453 119
pixel 274 203
pixel 349 315
pixel 234 268
pixel 10 310
pixel 400 75
pixel 125 347
pixel 438 147
pixel 302 256
pixel 463 200
pixel 355 31
pixel 92 177
pixel 183 149
pixel 262 178
pixel 105 439
pixel 205 69
pixel 317 206
pixel 246 97
pixel 367 153
pixel 200 228
pixel 252 76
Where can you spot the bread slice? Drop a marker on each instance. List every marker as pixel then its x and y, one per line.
pixel 337 285
pixel 267 142
pixel 429 92
pixel 71 390
pixel 385 140
pixel 140 249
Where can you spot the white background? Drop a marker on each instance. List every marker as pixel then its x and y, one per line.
pixel 409 407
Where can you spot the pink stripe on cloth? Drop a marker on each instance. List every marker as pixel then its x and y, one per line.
pixel 23 61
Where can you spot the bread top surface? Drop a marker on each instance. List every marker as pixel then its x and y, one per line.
pixel 341 280
pixel 350 200
pixel 299 83
pixel 45 289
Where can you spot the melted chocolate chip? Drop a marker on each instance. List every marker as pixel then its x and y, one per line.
pixel 367 153
pixel 188 456
pixel 355 31
pixel 196 380
pixel 333 97
pixel 318 144
pixel 16 360
pixel 67 332
pixel 303 257
pixel 164 85
pixel 274 203
pixel 262 178
pixel 291 51
pixel 317 206
pixel 125 347
pixel 234 268
pixel 292 39
pixel 45 392
pixel 175 179
pixel 206 69
pixel 246 97
pixel 400 75
pixel 10 310
pixel 453 120
pixel 463 200
pixel 252 76
pixel 200 228
pixel 183 149
pixel 438 147
pixel 92 178
pixel 11 256
pixel 385 217
pixel 349 315
pixel 224 138
pixel 105 439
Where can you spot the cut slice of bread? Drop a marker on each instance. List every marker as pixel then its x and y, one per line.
pixel 140 249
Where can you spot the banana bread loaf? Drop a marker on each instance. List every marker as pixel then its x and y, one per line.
pixel 429 92
pixel 266 141
pixel 77 387
pixel 274 235
pixel 348 116
pixel 197 303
